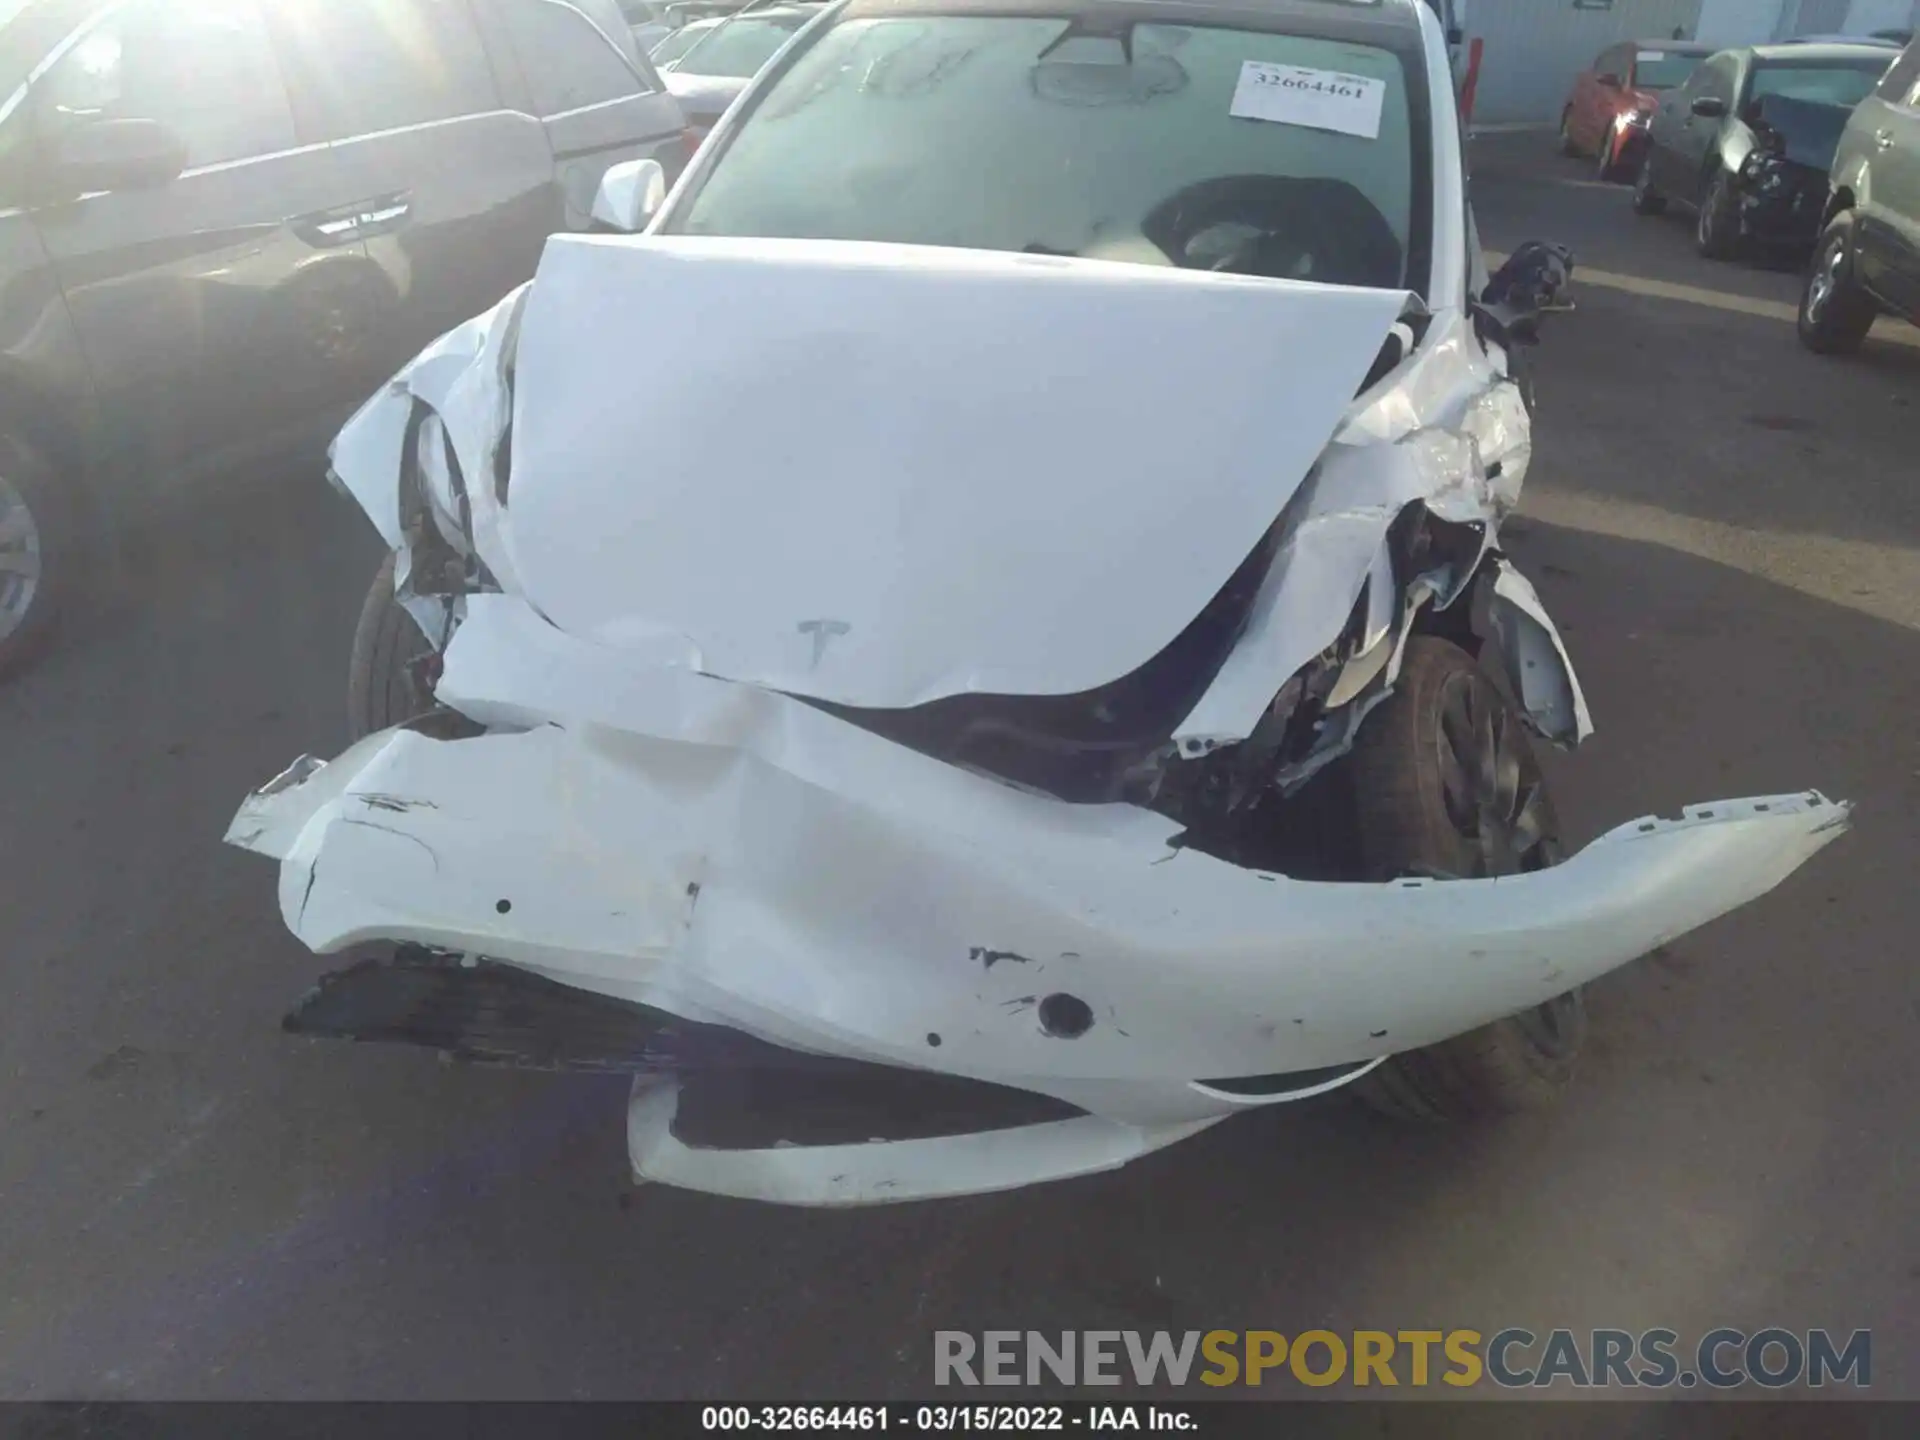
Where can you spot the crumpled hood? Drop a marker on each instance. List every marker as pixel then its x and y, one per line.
pixel 879 474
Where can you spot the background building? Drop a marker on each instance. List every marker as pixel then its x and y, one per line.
pixel 1533 48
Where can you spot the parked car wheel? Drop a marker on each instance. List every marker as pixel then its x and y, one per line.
pixel 1835 313
pixel 35 552
pixel 1646 199
pixel 388 678
pixel 1446 784
pixel 1716 233
pixel 1567 147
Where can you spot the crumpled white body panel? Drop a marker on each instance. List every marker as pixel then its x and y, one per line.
pixel 729 854
pixel 883 474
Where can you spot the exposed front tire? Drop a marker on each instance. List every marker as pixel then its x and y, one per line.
pixel 1835 313
pixel 1716 233
pixel 389 676
pixel 37 552
pixel 1646 199
pixel 1446 784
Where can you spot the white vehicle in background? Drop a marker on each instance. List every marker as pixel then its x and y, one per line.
pixel 955 679
pixel 707 65
pixel 647 22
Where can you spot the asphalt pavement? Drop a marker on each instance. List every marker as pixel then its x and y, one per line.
pixel 193 1204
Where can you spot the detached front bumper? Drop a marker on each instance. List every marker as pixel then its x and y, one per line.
pixel 754 864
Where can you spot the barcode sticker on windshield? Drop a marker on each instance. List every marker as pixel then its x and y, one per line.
pixel 1321 99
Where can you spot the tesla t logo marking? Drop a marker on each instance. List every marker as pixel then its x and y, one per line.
pixel 822 631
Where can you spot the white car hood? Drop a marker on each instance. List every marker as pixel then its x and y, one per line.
pixel 878 474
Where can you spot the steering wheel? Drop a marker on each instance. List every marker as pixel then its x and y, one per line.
pixel 1283 227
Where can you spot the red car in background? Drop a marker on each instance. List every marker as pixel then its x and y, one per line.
pixel 1607 113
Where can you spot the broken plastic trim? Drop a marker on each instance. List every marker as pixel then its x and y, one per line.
pixel 761 1109
pixel 1289 1083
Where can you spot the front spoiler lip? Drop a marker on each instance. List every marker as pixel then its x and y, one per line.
pixel 885 1172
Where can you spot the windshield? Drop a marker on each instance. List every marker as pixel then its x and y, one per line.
pixel 1206 147
pixel 1662 69
pixel 738 48
pixel 1844 85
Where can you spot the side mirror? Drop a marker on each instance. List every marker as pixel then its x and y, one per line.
pixel 1710 107
pixel 1527 287
pixel 116 155
pixel 1607 82
pixel 630 193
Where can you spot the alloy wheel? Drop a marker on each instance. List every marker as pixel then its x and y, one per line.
pixel 1496 799
pixel 1491 784
pixel 1825 279
pixel 19 558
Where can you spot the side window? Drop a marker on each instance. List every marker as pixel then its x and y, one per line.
pixel 372 65
pixel 1612 62
pixel 1715 79
pixel 570 63
pixel 207 70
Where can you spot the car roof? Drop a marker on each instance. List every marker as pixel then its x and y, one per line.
pixel 1394 23
pixel 1840 40
pixel 781 10
pixel 1821 52
pixel 1672 47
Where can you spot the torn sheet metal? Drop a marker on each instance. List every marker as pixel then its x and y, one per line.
pixel 1536 660
pixel 1447 430
pixel 453 404
pixel 1335 538
pixel 918 508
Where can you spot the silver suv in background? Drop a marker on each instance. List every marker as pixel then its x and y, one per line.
pixel 1867 261
pixel 225 221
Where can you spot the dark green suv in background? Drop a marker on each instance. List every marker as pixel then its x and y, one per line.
pixel 1867 261
pixel 222 222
